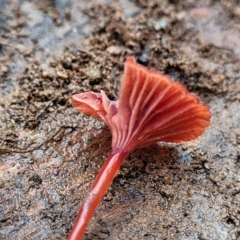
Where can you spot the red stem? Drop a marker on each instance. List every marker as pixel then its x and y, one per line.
pixel 97 190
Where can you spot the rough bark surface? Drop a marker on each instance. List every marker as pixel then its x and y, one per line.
pixel 50 154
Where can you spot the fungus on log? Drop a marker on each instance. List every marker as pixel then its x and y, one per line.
pixel 151 108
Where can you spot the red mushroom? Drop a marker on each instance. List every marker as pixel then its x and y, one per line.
pixel 151 108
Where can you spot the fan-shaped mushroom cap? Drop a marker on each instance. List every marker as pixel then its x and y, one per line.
pixel 151 108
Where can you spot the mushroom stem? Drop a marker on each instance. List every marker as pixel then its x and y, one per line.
pixel 97 191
